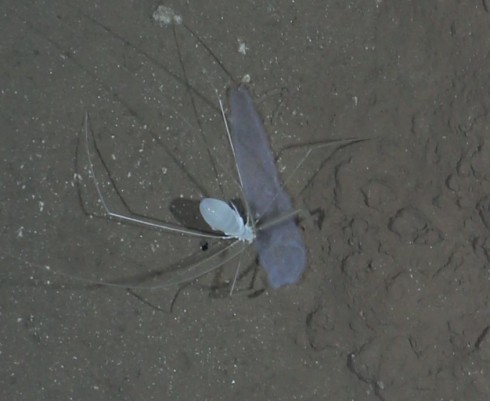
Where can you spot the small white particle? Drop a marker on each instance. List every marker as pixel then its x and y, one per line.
pixel 20 232
pixel 165 15
pixel 246 79
pixel 242 47
pixel 77 177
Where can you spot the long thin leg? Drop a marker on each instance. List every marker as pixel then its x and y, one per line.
pixel 235 278
pixel 250 219
pixel 170 279
pixel 313 147
pixel 135 220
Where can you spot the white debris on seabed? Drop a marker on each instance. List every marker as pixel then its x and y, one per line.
pixel 20 232
pixel 242 47
pixel 77 177
pixel 246 79
pixel 164 15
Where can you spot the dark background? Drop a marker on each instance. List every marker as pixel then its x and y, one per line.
pixel 395 302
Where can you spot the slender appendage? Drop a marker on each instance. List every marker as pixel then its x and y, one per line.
pixel 172 278
pixel 235 278
pixel 136 220
pixel 312 147
pixel 250 220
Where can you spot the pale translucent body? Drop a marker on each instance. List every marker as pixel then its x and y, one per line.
pixel 220 216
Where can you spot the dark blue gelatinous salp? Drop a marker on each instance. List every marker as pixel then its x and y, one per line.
pixel 281 248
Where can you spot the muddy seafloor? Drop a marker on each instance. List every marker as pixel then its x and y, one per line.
pixel 394 304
